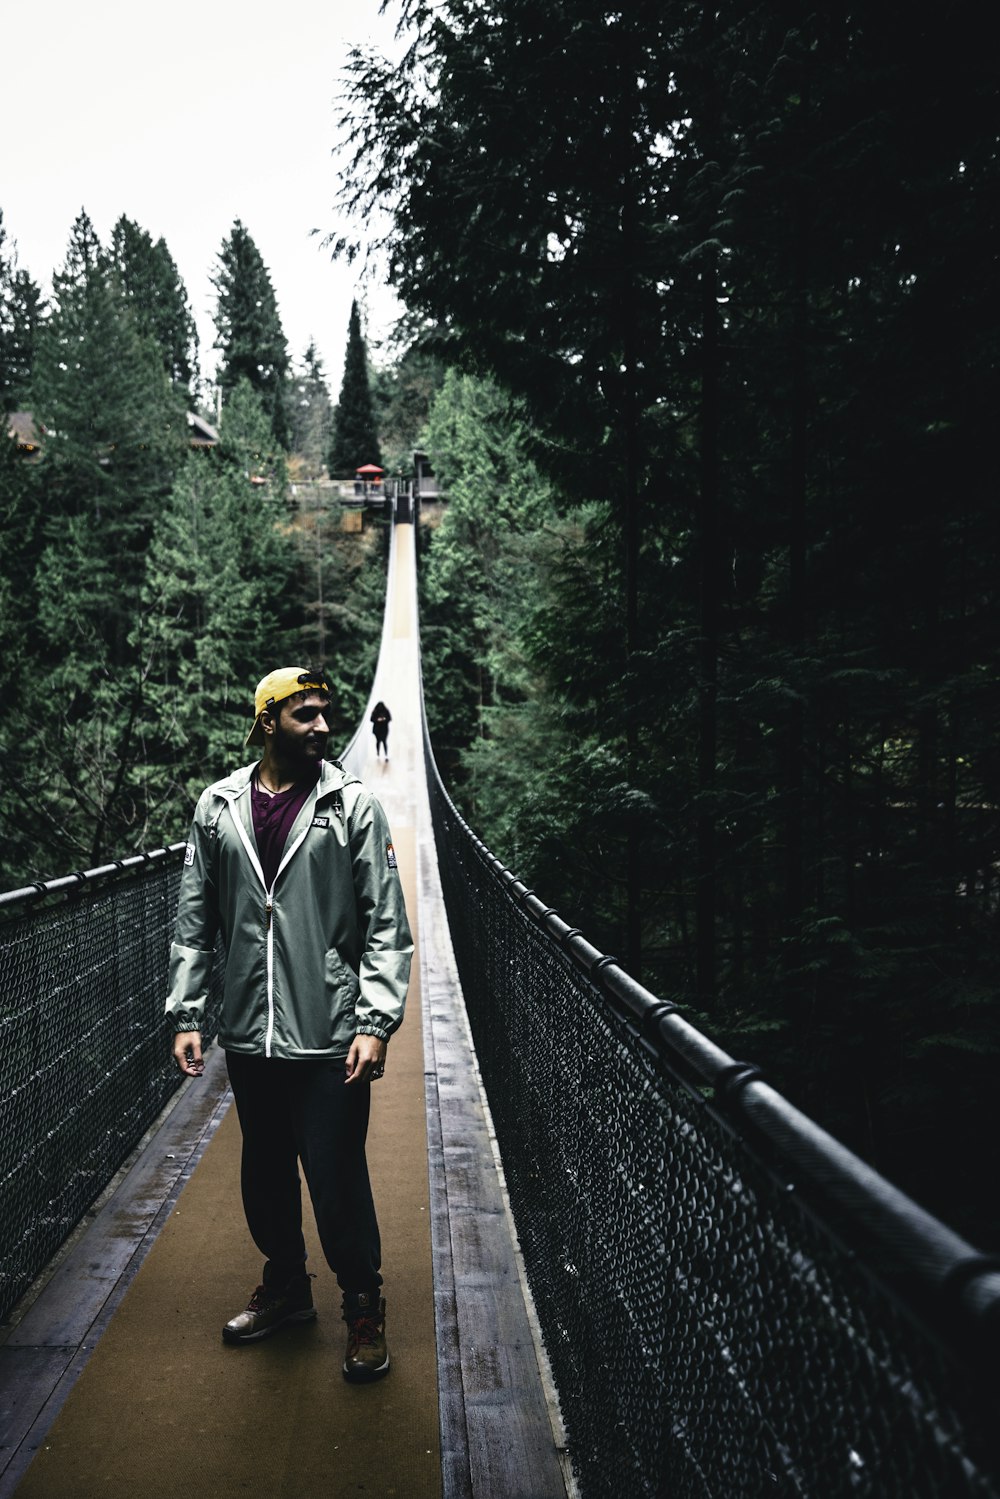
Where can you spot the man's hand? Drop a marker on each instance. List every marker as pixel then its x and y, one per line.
pixel 187 1053
pixel 366 1059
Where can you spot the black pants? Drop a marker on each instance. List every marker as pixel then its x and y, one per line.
pixel 292 1111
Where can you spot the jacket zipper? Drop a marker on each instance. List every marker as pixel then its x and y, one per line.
pixel 269 907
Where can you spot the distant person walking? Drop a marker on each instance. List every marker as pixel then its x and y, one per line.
pixel 381 718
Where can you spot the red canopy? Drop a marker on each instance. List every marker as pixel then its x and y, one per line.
pixel 369 468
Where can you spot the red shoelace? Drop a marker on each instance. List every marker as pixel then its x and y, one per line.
pixel 364 1331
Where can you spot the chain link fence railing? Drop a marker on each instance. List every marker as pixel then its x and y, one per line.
pixel 733 1305
pixel 85 1059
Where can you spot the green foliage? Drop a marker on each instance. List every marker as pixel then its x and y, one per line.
pixel 19 513
pixel 21 311
pixel 311 414
pixel 246 439
pixel 156 295
pixel 218 607
pixel 146 587
pixel 248 328
pixel 355 440
pixel 343 577
pixel 403 394
pixel 116 433
pixel 737 264
pixel 509 136
pixel 479 571
pixel 115 436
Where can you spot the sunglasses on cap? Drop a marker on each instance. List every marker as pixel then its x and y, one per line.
pixel 314 679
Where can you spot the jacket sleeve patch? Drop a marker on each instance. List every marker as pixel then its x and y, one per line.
pixel 188 855
pixel 390 856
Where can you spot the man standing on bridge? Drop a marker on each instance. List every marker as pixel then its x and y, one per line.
pixel 291 860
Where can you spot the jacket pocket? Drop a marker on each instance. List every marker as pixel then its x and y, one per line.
pixel 342 990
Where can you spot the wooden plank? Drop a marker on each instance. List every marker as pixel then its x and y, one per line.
pixel 494 1389
pixel 27 1377
pixel 48 1345
pixel 84 1279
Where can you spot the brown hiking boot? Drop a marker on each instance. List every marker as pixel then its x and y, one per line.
pixel 367 1356
pixel 270 1309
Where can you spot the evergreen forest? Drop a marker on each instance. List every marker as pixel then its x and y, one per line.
pixel 155 567
pixel 701 335
pixel 711 624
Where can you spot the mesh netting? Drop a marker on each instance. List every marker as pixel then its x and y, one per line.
pixel 709 1334
pixel 85 1063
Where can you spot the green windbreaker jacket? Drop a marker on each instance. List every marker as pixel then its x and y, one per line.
pixel 322 956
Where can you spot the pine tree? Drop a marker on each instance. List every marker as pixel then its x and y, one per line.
pixel 355 441
pixel 155 293
pixel 116 431
pixel 247 441
pixel 311 413
pixel 218 606
pixel 21 312
pixel 115 436
pixel 403 394
pixel 20 513
pixel 248 328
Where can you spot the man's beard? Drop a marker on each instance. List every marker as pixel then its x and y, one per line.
pixel 298 751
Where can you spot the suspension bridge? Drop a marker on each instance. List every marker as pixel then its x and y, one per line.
pixel 617 1262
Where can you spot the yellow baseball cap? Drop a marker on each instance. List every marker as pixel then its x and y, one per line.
pixel 278 685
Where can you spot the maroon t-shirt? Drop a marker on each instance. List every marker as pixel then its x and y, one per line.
pixel 272 820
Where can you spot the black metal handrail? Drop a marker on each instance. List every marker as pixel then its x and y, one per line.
pixel 80 879
pixel 950 1284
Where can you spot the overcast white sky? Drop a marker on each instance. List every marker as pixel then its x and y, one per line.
pixel 186 118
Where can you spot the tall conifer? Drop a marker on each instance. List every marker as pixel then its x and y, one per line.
pixel 157 296
pixel 21 312
pixel 311 412
pixel 115 435
pixel 355 440
pixel 248 328
pixel 116 432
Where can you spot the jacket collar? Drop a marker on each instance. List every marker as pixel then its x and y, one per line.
pixel 332 777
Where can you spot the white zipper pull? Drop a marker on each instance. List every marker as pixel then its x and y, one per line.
pixel 267 907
